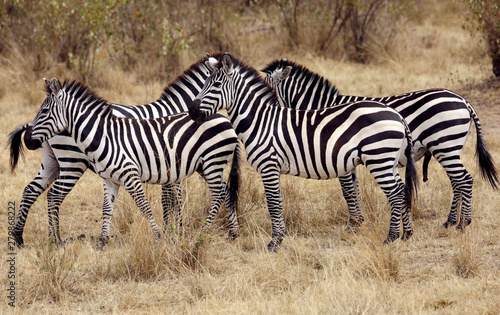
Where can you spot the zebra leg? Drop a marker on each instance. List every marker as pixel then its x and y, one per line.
pixel 425 165
pixel 217 192
pixel 56 195
pixel 272 188
pixel 350 190
pixel 171 198
pixel 232 216
pixel 465 188
pixel 110 192
pixel 406 215
pixel 388 181
pixel 133 186
pixel 461 184
pixel 49 171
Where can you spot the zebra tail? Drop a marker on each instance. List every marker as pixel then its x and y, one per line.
pixel 485 161
pixel 411 178
pixel 16 145
pixel 234 176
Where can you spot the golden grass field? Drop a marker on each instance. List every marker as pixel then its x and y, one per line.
pixel 319 269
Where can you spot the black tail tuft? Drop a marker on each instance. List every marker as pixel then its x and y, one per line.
pixel 486 163
pixel 411 178
pixel 16 145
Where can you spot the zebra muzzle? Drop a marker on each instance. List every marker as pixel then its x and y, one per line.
pixel 31 144
pixel 195 112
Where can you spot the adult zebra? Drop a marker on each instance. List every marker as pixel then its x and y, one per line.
pixel 319 144
pixel 63 163
pixel 440 122
pixel 127 151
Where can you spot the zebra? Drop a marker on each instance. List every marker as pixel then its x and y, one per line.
pixel 319 144
pixel 440 121
pixel 126 151
pixel 63 163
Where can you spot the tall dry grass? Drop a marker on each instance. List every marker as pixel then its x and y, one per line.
pixel 320 268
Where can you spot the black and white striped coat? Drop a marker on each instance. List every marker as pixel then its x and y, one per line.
pixel 126 152
pixel 440 121
pixel 319 144
pixel 63 163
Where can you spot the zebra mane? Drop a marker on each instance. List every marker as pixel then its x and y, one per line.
pixel 188 73
pixel 301 73
pixel 256 78
pixel 80 91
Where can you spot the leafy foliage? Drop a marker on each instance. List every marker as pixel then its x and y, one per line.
pixel 486 21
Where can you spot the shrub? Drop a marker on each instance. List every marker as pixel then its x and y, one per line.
pixel 486 21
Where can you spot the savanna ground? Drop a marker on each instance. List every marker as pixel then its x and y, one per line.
pixel 319 269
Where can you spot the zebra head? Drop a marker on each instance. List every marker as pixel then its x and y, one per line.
pixel 276 79
pixel 216 94
pixel 50 119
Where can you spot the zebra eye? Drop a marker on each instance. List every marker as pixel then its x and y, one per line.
pixel 45 110
pixel 217 84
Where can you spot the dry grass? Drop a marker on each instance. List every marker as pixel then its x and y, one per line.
pixel 319 269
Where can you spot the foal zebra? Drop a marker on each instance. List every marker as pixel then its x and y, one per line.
pixel 319 144
pixel 63 163
pixel 126 152
pixel 440 122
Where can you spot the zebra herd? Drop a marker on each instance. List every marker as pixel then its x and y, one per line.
pixel 293 122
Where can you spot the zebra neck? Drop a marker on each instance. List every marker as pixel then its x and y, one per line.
pixel 253 114
pixel 88 125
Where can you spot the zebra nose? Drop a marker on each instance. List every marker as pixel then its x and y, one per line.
pixel 194 111
pixel 31 144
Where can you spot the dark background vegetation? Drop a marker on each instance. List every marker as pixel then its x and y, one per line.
pixel 154 35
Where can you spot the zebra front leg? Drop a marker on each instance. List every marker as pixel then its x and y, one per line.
pixel 55 196
pixel 110 192
pixel 171 198
pixel 350 191
pixel 272 188
pixel 133 186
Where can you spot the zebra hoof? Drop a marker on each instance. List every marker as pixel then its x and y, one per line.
pixel 351 229
pixel 462 225
pixel 103 240
pixel 232 237
pixel 18 238
pixel 273 246
pixel 391 238
pixel 406 235
pixel 449 223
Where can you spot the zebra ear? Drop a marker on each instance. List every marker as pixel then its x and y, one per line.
pixel 210 64
pixel 285 73
pixel 55 85
pixel 227 64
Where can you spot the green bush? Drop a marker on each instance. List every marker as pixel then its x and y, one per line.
pixel 486 21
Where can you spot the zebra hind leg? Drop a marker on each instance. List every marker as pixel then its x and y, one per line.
pixel 232 217
pixel 466 198
pixel 393 188
pixel 47 174
pixel 462 196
